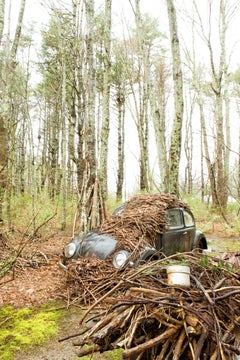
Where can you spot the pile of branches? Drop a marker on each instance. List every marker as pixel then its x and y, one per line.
pixel 141 220
pixel 151 319
pixel 138 224
pixel 136 309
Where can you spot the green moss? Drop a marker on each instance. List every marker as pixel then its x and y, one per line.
pixel 114 354
pixel 25 327
pixel 108 355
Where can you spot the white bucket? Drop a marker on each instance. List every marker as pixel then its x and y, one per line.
pixel 178 275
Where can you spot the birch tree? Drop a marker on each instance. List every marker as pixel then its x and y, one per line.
pixel 2 13
pixel 106 98
pixel 176 136
pixel 160 92
pixel 120 94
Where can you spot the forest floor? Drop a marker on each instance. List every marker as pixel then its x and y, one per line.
pixel 38 280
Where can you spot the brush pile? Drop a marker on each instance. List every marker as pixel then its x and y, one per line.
pixel 135 226
pixel 141 220
pixel 151 319
pixel 136 309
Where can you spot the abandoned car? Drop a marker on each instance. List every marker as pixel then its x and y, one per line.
pixel 150 232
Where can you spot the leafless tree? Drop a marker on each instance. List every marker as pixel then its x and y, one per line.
pixel 176 136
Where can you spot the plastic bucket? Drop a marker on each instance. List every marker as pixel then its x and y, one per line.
pixel 178 275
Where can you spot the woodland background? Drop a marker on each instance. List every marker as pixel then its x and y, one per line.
pixel 108 102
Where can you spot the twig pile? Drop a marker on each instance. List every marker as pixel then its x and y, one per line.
pixel 140 312
pixel 150 319
pixel 141 220
pixel 137 225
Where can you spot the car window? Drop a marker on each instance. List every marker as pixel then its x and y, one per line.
pixel 174 219
pixel 188 219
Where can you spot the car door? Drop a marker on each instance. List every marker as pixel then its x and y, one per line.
pixel 179 231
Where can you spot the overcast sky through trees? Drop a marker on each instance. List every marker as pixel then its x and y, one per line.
pixel 37 13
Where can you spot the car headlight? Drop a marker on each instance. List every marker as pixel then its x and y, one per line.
pixel 121 258
pixel 70 250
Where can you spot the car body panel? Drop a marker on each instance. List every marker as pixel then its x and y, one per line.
pixel 180 232
pixel 95 245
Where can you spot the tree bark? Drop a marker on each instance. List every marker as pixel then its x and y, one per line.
pixel 2 14
pixel 176 136
pixel 18 31
pixel 106 100
pixel 121 142
pixel 158 100
pixel 3 165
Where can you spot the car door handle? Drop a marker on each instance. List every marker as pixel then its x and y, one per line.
pixel 185 233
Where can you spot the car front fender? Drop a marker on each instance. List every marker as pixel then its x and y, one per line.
pixel 147 254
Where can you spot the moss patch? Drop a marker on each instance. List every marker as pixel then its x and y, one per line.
pixel 107 355
pixel 23 328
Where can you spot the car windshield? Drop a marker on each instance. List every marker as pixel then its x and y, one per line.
pixel 99 245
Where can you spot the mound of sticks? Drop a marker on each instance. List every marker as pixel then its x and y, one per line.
pixel 150 319
pixel 139 223
pixel 137 310
pixel 141 220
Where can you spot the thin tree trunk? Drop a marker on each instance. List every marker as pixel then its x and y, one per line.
pixel 210 166
pixel 2 14
pixel 176 136
pixel 3 165
pixel 106 100
pixel 64 151
pixel 121 143
pixel 3 133
pixel 143 87
pixel 18 31
pixel 158 100
pixel 10 121
pixel 188 146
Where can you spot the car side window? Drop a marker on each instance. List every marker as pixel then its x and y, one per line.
pixel 188 219
pixel 174 219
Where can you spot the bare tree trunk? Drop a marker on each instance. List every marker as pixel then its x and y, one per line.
pixel 176 136
pixel 158 100
pixel 210 166
pixel 91 206
pixel 188 147
pixel 64 150
pixel 106 100
pixel 119 76
pixel 2 13
pixel 219 81
pixel 18 31
pixel 217 87
pixel 121 142
pixel 9 118
pixel 143 93
pixel 3 165
pixel 228 138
